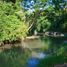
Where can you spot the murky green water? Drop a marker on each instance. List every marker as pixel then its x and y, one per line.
pixel 46 44
pixel 17 57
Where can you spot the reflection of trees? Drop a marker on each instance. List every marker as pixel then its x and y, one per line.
pixel 56 45
pixel 57 52
pixel 14 57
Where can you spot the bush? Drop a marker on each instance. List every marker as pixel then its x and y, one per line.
pixel 11 27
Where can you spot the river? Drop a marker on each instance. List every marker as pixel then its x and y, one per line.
pixel 43 47
pixel 35 50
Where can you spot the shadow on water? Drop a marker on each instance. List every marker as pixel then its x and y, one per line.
pixel 14 57
pixel 57 52
pixel 54 44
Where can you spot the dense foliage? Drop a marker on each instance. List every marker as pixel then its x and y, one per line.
pixel 41 17
pixel 11 27
pixel 48 15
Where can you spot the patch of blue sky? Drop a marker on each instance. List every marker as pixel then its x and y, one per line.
pixel 32 2
pixel 30 11
pixel 44 8
pixel 50 1
pixel 65 0
pixel 41 9
pixel 28 4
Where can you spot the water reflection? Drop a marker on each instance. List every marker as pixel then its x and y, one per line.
pixel 54 48
pixel 42 55
pixel 42 48
pixel 32 62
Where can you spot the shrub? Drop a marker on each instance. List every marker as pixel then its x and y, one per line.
pixel 11 27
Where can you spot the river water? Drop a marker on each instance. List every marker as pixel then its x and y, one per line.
pixel 43 47
pixel 35 50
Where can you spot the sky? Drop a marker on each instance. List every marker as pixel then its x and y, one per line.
pixel 28 4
